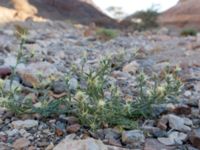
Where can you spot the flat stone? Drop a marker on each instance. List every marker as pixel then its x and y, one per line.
pixel 153 144
pixel 21 143
pixel 27 124
pixel 166 141
pixel 87 144
pixel 111 134
pixel 59 87
pixel 133 137
pixel 178 123
pixel 174 138
pixel 73 128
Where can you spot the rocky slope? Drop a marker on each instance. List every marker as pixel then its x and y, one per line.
pixel 57 46
pixel 81 11
pixel 184 14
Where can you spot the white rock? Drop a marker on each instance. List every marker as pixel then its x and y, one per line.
pixel 12 132
pixel 73 84
pixel 188 122
pixel 27 124
pixel 87 144
pixel 187 93
pixel 178 137
pixel 10 60
pixel 173 138
pixel 177 123
pixel 166 141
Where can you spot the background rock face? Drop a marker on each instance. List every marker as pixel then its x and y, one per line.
pixel 186 13
pixel 82 11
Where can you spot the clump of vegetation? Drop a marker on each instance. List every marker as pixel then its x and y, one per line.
pixel 155 91
pixel 90 103
pixel 106 34
pixel 189 32
pixel 144 20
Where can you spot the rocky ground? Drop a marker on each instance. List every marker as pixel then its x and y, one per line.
pixel 58 45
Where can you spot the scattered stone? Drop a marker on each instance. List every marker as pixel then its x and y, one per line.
pixel 31 74
pixel 113 142
pixel 73 128
pixel 162 123
pixel 72 120
pixel 174 138
pixel 111 134
pixel 21 143
pixel 187 93
pixel 159 109
pixel 131 67
pixel 50 147
pixel 194 138
pixel 182 110
pixel 187 121
pixel 87 144
pixel 27 124
pixel 12 132
pixel 73 84
pixel 178 123
pixel 133 137
pixel 5 71
pixel 167 141
pixel 59 87
pixel 60 128
pixel 154 144
pixel 28 79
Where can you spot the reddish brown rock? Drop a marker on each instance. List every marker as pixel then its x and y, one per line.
pixel 4 71
pixel 186 13
pixel 73 128
pixel 182 110
pixel 59 132
pixel 194 137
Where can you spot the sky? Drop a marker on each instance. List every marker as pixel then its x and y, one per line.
pixel 131 6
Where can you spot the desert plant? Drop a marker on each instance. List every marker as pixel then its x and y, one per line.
pixel 155 91
pixel 189 32
pixel 106 34
pixel 11 99
pixel 144 20
pixel 94 109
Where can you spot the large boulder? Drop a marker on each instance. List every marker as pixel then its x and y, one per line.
pixel 186 13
